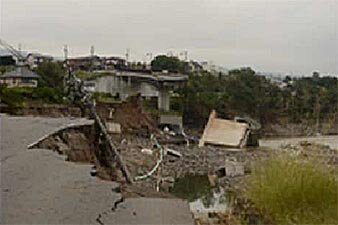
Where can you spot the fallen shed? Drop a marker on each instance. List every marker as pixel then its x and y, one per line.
pixel 224 132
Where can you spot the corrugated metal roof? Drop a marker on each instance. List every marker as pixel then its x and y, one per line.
pixel 20 71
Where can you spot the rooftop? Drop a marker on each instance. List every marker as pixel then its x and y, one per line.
pixel 20 72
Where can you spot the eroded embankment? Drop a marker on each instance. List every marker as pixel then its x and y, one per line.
pixel 79 143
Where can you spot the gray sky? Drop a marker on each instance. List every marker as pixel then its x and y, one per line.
pixel 297 36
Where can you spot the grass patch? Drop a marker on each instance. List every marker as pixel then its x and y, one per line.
pixel 105 98
pixel 292 191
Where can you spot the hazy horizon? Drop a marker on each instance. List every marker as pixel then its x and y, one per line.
pixel 278 36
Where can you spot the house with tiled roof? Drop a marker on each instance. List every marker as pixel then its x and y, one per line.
pixel 20 77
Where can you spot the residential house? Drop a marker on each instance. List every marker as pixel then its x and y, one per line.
pixel 20 77
pixel 85 63
pixel 113 62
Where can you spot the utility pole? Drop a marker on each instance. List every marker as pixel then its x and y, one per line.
pixel 92 51
pixel 127 54
pixel 65 52
pixel 19 48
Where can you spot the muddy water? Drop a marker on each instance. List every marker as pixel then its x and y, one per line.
pixel 202 198
pixel 331 141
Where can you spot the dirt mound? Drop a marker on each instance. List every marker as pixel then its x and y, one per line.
pixel 75 143
pixel 129 114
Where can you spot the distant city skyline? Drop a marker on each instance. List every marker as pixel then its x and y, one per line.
pixel 283 36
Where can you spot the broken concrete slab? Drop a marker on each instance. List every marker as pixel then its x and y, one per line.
pixel 170 119
pixel 224 132
pixel 173 152
pixel 73 124
pixel 113 128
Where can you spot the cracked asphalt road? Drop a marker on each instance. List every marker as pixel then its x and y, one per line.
pixel 39 187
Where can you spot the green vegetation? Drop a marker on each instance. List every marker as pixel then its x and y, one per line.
pixel 21 96
pixel 291 191
pixel 105 97
pixel 169 63
pixel 314 97
pixel 7 61
pixel 5 69
pixel 52 75
pixel 49 90
pixel 244 93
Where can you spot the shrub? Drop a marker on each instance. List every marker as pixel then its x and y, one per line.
pixel 46 95
pixel 104 97
pixel 290 191
pixel 16 97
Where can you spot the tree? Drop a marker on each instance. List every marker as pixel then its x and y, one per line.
pixel 7 61
pixel 287 79
pixel 169 63
pixel 52 75
pixel 241 93
pixel 315 75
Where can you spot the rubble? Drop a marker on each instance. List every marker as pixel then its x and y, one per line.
pixel 158 162
pixel 173 152
pixel 113 128
pixel 233 169
pixel 147 151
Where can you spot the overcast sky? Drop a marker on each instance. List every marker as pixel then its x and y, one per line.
pixel 297 36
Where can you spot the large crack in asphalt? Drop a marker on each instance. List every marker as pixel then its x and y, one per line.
pixel 54 139
pixel 113 209
pixel 98 219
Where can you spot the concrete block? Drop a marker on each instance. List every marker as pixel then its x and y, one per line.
pixel 224 132
pixel 233 169
pixel 113 128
